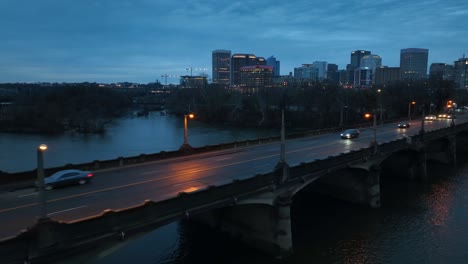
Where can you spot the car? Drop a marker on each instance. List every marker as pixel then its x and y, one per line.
pixel 442 116
pixel 67 177
pixel 404 125
pixel 350 133
pixel 430 117
pixel 451 116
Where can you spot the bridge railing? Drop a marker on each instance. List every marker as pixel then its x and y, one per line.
pixel 27 177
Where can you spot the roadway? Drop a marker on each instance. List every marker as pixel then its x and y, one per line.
pixel 127 186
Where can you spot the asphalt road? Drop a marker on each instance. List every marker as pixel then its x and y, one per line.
pixel 131 185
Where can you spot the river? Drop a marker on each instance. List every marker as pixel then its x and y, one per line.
pixel 418 223
pixel 126 137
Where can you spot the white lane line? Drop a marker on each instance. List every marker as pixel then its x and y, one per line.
pixel 183 183
pixel 27 195
pixel 150 172
pixel 224 159
pixel 66 210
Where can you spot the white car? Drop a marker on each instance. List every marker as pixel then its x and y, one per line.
pixel 430 117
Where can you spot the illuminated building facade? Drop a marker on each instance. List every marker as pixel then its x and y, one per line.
pixel 461 73
pixel 413 63
pixel 256 76
pixel 241 60
pixel 221 64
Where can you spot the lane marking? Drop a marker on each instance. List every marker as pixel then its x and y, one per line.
pixel 21 196
pixel 66 210
pixel 184 183
pixel 150 172
pixel 224 159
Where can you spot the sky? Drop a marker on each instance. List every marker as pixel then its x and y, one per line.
pixel 108 41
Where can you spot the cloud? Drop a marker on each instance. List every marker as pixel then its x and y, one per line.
pixel 143 39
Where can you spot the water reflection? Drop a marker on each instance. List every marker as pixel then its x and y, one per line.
pixel 126 137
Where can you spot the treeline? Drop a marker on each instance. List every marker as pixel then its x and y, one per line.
pixel 314 106
pixel 84 108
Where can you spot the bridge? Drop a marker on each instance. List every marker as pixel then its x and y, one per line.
pixel 245 191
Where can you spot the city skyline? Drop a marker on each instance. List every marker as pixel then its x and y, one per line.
pixel 139 41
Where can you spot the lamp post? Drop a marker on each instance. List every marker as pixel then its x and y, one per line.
pixel 379 102
pixel 409 109
pixel 40 181
pixel 186 146
pixel 374 127
pixel 341 114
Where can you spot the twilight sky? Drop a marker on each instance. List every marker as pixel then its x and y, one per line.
pixel 140 40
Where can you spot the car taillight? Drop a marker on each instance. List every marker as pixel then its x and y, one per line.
pixel 90 175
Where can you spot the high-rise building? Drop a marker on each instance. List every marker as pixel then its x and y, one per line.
pixel 322 69
pixel 271 61
pixel 441 71
pixel 221 63
pixel 306 72
pixel 256 76
pixel 371 61
pixel 363 78
pixel 356 57
pixel 413 63
pixel 332 72
pixel 240 60
pixel 461 73
pixel 385 75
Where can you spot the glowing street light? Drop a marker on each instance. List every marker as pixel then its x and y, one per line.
pixel 374 126
pixel 40 181
pixel 186 117
pixel 409 109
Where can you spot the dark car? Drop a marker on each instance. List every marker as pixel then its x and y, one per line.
pixel 404 125
pixel 67 177
pixel 350 133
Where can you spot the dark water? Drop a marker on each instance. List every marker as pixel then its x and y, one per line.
pixel 127 137
pixel 418 223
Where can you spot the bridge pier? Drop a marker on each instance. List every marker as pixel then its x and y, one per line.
pixel 452 149
pixel 360 184
pixel 261 226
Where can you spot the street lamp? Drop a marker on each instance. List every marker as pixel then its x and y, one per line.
pixel 409 109
pixel 341 114
pixel 40 181
pixel 374 126
pixel 186 117
pixel 379 101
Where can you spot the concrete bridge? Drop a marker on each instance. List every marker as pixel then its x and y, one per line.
pixel 255 210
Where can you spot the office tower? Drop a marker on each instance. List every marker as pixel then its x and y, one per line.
pixel 371 61
pixel 256 76
pixel 271 61
pixel 240 60
pixel 461 73
pixel 384 75
pixel 332 72
pixel 413 63
pixel 440 71
pixel 356 57
pixel 221 63
pixel 363 78
pixel 306 72
pixel 322 69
